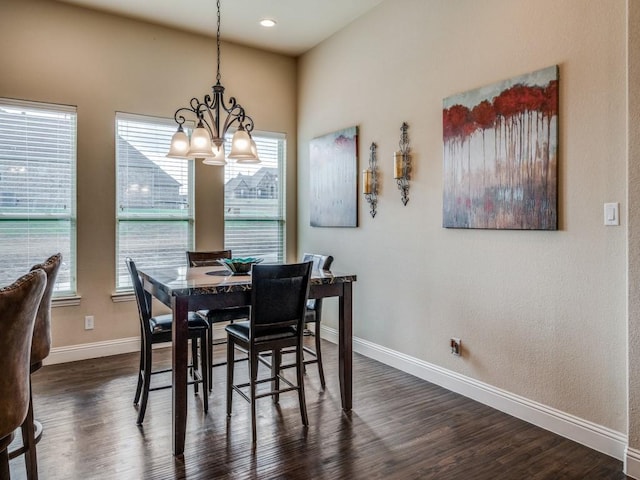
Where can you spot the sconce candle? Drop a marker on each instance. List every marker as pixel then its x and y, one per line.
pixel 397 165
pixel 366 181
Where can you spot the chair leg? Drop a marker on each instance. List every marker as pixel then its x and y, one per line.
pixel 300 375
pixel 29 442
pixel 204 368
pixel 4 465
pixel 276 361
pixel 194 362
pixel 146 380
pixel 230 368
pixel 253 376
pixel 319 355
pixel 136 399
pixel 210 347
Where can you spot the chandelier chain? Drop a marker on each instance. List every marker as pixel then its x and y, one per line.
pixel 218 43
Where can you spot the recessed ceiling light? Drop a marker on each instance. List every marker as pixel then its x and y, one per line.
pixel 268 22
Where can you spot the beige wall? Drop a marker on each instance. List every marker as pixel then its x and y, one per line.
pixel 53 52
pixel 541 314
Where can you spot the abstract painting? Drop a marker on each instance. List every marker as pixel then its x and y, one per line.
pixel 333 179
pixel 501 155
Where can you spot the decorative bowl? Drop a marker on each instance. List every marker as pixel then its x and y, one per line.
pixel 239 266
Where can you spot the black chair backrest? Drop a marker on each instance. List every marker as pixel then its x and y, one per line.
pixel 144 308
pixel 206 259
pixel 278 296
pixel 320 263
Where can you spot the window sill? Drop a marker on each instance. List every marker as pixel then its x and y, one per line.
pixel 72 301
pixel 123 297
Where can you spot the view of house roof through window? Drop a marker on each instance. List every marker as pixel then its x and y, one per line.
pixel 154 209
pixel 254 201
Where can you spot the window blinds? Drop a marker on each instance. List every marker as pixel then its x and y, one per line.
pixel 37 189
pixel 254 201
pixel 155 215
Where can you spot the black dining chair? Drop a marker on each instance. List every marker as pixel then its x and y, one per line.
pixel 216 315
pixel 206 258
pixel 321 263
pixel 278 301
pixel 313 315
pixel 158 329
pixel 19 304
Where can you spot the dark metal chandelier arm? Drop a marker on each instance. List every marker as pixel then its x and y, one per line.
pixel 247 123
pixel 236 114
pixel 194 109
pixel 210 125
pixel 195 105
pixel 209 107
pixel 179 118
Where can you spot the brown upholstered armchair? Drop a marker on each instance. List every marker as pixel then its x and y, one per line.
pixel 40 348
pixel 19 304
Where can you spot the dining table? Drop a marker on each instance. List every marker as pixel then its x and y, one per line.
pixel 187 289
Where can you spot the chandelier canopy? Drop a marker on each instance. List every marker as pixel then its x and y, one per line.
pixel 207 139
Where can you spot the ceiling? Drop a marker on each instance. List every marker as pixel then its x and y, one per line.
pixel 301 24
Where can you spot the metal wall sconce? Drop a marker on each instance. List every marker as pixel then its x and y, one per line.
pixel 402 164
pixel 370 181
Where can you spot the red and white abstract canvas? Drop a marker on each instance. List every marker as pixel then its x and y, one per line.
pixel 501 155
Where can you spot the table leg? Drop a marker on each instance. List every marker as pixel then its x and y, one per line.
pixel 345 347
pixel 179 363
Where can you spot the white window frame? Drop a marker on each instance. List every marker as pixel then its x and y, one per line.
pixel 231 171
pixel 64 240
pixel 151 218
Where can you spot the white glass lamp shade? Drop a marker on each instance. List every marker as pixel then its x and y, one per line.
pixel 218 156
pixel 179 145
pixel 241 145
pixel 254 151
pixel 201 146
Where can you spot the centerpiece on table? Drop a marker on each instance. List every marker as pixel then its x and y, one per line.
pixel 239 265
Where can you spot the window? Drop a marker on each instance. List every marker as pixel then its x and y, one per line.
pixel 37 190
pixel 254 201
pixel 155 218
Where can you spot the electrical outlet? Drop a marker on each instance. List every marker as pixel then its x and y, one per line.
pixel 456 346
pixel 88 322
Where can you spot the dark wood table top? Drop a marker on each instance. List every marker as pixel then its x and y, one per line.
pixel 189 281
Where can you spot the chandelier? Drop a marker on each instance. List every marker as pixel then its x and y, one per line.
pixel 207 139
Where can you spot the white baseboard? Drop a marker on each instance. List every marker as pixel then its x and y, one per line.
pixel 632 463
pixel 86 351
pixel 597 437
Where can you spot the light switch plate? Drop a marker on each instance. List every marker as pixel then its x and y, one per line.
pixel 611 214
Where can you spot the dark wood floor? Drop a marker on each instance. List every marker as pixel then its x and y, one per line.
pixel 401 428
